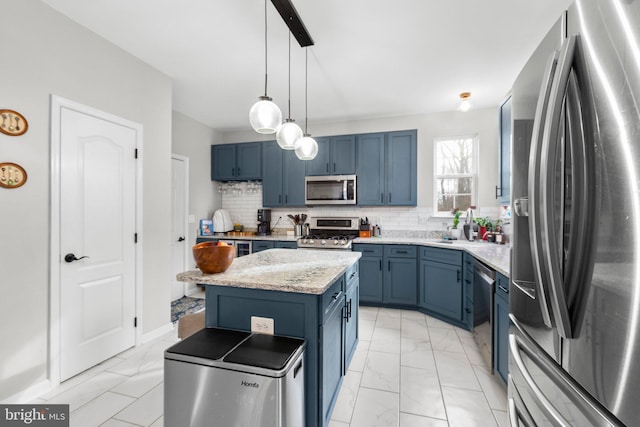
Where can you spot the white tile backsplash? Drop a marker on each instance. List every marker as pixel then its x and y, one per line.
pixel 244 199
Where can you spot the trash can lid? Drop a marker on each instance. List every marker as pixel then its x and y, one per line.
pixel 209 343
pixel 265 351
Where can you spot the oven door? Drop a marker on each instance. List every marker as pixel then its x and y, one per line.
pixel 330 190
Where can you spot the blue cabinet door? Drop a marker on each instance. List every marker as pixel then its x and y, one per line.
pixel 223 162
pixel 261 245
pixel 370 165
pixel 248 161
pixel 503 192
pixel 501 326
pixel 442 289
pixel 331 337
pixel 351 321
pixel 271 174
pixel 293 170
pixel 400 281
pixel 285 245
pixel 343 155
pixel 320 164
pixel 371 279
pixel 401 169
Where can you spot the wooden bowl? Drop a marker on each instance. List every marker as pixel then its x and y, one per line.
pixel 211 258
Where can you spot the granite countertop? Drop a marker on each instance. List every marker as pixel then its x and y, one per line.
pixel 496 256
pixel 306 271
pixel 274 237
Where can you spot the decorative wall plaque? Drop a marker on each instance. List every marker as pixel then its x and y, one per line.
pixel 12 123
pixel 12 175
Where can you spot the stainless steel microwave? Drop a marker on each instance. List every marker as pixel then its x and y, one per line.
pixel 330 190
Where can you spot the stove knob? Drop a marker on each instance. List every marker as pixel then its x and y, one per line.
pixel 323 242
pixel 343 242
pixel 336 242
pixel 311 241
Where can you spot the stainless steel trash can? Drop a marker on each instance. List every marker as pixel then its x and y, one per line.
pixel 226 378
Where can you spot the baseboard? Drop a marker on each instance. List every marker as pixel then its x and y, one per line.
pixel 149 336
pixel 192 290
pixel 29 394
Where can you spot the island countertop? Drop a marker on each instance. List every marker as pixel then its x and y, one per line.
pixel 306 271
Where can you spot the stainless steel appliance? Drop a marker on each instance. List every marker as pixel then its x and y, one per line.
pixel 330 233
pixel 243 247
pixel 574 342
pixel 484 283
pixel 264 222
pixel 330 190
pixel 232 378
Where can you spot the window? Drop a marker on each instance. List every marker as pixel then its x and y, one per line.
pixel 455 173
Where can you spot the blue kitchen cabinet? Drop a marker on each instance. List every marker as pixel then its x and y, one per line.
pixel 283 177
pixel 236 162
pixel 503 190
pixel 402 168
pixel 370 184
pixel 320 319
pixel 387 169
pixel 501 327
pixel 352 301
pixel 284 244
pixel 370 272
pixel 261 245
pixel 468 291
pixel 441 288
pixel 336 156
pixel 400 275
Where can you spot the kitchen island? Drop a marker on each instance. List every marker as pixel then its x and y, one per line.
pixel 310 294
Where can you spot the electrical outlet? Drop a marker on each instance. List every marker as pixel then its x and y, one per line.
pixel 262 325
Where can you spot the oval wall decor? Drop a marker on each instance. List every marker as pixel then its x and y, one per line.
pixel 12 123
pixel 12 175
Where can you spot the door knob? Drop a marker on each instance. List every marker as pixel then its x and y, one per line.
pixel 72 257
pixel 180 239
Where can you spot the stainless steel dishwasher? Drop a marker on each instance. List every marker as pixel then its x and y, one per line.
pixel 484 280
pixel 222 378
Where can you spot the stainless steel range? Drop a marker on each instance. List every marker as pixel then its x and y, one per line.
pixel 330 233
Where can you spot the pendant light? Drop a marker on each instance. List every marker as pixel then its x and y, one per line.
pixel 265 116
pixel 306 147
pixel 289 132
pixel 465 104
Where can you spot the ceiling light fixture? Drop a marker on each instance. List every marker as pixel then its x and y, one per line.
pixel 265 116
pixel 289 132
pixel 306 147
pixel 290 17
pixel 465 104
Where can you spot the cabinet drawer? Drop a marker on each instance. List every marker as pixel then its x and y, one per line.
pixel 400 251
pixel 468 285
pixel 468 261
pixel 334 295
pixel 446 256
pixel 352 274
pixel 502 286
pixel 368 249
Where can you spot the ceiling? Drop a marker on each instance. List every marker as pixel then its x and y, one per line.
pixel 371 58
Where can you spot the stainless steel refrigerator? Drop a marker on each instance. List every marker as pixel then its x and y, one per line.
pixel 574 342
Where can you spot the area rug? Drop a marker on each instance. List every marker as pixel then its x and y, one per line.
pixel 185 305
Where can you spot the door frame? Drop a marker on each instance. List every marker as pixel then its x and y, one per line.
pixel 57 104
pixel 186 252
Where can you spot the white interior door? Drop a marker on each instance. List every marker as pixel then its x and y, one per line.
pixel 178 223
pixel 97 221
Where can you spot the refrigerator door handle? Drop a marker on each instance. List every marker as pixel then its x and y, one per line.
pixel 585 403
pixel 515 346
pixel 517 409
pixel 552 258
pixel 534 179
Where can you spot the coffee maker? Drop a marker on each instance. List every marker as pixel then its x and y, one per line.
pixel 264 222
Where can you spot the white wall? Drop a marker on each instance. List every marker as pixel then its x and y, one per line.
pixel 46 53
pixel 193 139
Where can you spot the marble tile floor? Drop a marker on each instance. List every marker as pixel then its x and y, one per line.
pixel 409 370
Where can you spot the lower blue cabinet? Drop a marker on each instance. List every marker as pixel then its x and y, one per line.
pixel 441 289
pixel 331 337
pixel 400 279
pixel 501 327
pixel 261 245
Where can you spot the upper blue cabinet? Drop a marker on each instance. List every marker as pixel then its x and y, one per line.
pixel 283 178
pixel 503 190
pixel 236 162
pixel 387 169
pixel 336 156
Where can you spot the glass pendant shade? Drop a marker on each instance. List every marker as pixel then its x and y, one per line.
pixel 288 133
pixel 306 148
pixel 265 116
